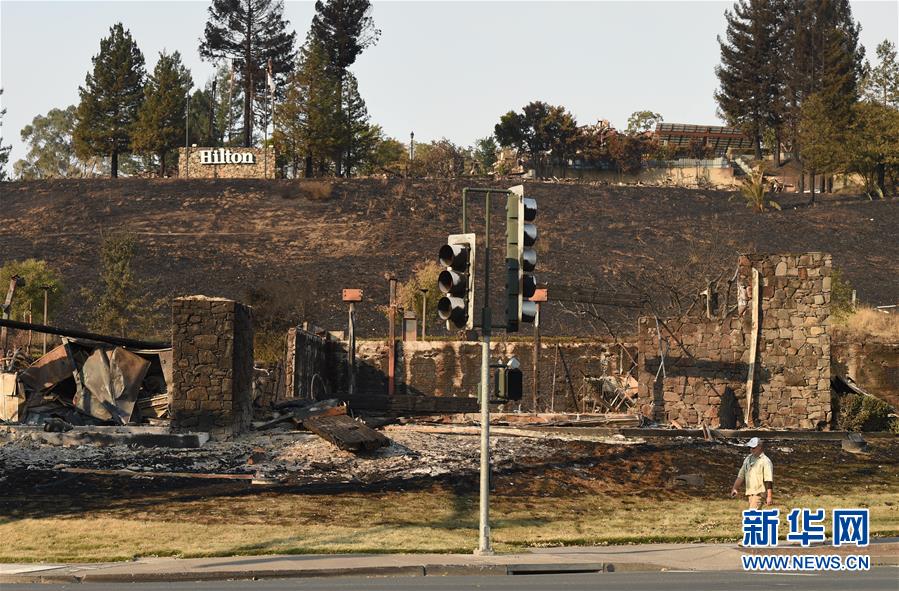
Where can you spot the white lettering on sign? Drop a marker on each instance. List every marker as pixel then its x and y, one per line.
pixel 226 156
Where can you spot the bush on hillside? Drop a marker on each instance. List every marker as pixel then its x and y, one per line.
pixel 30 295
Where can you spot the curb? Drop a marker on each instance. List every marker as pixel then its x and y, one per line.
pixel 431 570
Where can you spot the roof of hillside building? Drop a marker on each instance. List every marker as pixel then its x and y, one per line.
pixel 717 137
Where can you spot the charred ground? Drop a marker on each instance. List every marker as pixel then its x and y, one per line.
pixel 290 246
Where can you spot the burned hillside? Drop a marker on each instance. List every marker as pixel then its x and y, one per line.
pixel 289 247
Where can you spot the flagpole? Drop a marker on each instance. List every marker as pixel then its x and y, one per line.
pixel 230 105
pixel 270 100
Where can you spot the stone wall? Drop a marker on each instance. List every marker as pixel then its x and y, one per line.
pixel 212 350
pixel 231 163
pixel 570 372
pixel 706 364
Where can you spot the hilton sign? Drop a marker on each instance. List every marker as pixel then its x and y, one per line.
pixel 226 156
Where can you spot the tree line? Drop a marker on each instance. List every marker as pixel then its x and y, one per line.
pixel 135 120
pixel 793 76
pixel 546 136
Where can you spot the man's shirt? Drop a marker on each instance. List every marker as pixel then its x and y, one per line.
pixel 755 471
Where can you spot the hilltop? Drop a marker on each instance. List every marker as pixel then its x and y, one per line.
pixel 292 245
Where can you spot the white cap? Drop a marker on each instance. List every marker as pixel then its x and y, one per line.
pixel 753 442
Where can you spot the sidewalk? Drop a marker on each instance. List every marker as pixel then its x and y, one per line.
pixel 646 557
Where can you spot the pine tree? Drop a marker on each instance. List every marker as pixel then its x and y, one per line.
pixel 160 121
pixel 359 136
pixel 873 146
pixel 821 55
pixel 307 121
pixel 251 33
pixel 881 82
pixel 110 99
pixel 291 135
pixel 748 75
pixel 342 29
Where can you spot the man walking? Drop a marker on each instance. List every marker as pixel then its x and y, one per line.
pixel 757 472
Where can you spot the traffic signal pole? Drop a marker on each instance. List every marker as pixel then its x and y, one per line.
pixel 458 307
pixel 484 546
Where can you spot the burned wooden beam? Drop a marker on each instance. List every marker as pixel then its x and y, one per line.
pixel 346 433
pixel 412 405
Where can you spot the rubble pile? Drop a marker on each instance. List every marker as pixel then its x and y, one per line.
pixel 85 382
pixel 288 457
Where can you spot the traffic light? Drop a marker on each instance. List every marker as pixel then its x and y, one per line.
pixel 509 384
pixel 521 258
pixel 456 281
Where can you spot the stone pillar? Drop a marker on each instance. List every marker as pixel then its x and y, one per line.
pixel 212 350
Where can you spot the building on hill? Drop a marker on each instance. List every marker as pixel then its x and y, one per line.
pixel 715 139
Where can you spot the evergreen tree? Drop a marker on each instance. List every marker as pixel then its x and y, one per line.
pixel 160 122
pixel 821 55
pixel 291 130
pixel 342 29
pixel 748 73
pixel 873 147
pixel 307 122
pixel 4 150
pixel 110 99
pixel 251 33
pixel 484 152
pixel 359 136
pixel 881 82
pixel 821 138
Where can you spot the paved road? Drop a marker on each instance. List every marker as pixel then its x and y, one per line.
pixel 880 579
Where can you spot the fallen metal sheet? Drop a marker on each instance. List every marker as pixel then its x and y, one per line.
pixel 346 433
pixel 108 384
pixel 52 368
pixel 106 436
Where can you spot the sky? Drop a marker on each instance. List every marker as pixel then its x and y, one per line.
pixel 440 69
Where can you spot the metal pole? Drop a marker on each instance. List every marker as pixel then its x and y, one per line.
pixel 391 338
pixel 212 138
pixel 411 152
pixel 46 319
pixel 265 134
pixel 351 356
pixel 187 138
pixel 484 547
pixel 536 357
pixel 464 211
pixel 424 313
pixel 230 106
